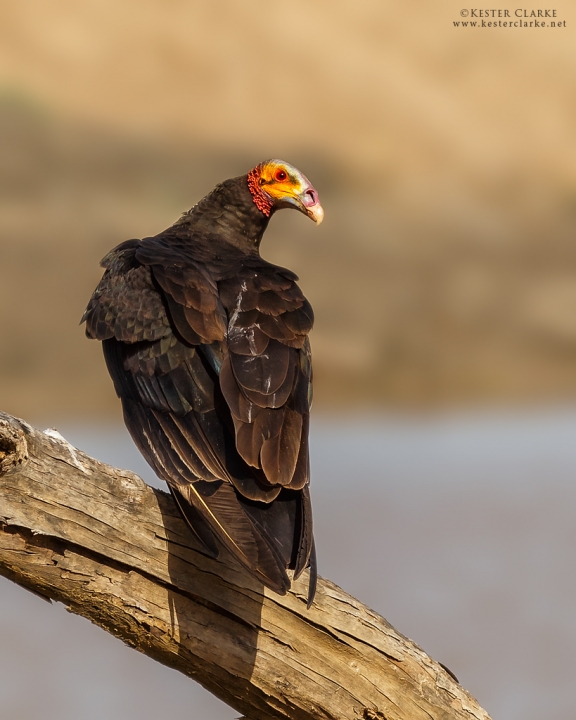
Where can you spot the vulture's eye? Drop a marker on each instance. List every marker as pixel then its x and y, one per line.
pixel 281 175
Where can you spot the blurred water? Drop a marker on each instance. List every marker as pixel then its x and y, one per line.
pixel 459 530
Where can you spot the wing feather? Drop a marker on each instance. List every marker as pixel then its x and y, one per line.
pixel 266 377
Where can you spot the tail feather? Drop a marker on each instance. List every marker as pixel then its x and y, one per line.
pixel 196 523
pixel 214 509
pixel 313 581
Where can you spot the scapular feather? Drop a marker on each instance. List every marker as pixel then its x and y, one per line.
pixel 262 373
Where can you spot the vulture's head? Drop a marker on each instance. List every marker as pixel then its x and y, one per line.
pixel 276 184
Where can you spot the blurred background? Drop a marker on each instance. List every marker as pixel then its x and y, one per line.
pixel 443 281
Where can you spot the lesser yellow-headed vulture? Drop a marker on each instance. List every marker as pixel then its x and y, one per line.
pixel 207 346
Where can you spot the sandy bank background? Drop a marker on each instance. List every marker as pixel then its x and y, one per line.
pixel 445 271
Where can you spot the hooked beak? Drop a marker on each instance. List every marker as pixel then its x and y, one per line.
pixel 311 204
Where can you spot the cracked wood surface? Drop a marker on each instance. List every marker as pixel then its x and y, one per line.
pixel 115 550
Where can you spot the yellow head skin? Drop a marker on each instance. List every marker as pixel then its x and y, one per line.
pixel 276 184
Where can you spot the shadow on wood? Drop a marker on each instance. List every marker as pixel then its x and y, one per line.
pixel 217 628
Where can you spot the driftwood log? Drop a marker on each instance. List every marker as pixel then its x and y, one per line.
pixel 115 550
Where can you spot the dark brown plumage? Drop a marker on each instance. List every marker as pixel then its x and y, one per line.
pixel 207 346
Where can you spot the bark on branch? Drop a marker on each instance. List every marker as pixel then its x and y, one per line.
pixel 116 551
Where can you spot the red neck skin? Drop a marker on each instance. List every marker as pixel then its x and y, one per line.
pixel 262 201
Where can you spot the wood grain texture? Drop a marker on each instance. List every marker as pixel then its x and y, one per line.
pixel 115 550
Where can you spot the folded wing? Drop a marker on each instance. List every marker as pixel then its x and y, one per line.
pixel 214 376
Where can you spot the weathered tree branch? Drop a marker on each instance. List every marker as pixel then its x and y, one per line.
pixel 116 551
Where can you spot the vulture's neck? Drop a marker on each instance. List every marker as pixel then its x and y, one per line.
pixel 229 211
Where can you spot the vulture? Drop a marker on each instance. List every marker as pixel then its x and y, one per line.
pixel 207 346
